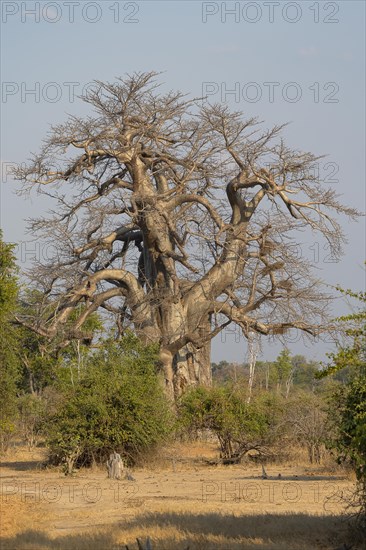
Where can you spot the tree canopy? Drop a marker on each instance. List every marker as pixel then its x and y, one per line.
pixel 177 217
pixel 349 400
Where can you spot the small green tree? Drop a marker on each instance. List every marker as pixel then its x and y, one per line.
pixel 305 374
pixel 351 441
pixel 284 371
pixel 349 400
pixel 9 356
pixel 41 358
pixel 238 425
pixel 117 404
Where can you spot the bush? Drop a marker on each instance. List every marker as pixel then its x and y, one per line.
pixel 352 429
pixel 308 423
pixel 349 405
pixel 349 401
pixel 9 347
pixel 239 426
pixel 118 405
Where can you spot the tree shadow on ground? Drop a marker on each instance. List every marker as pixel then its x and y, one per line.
pixel 23 465
pixel 211 531
pixel 302 477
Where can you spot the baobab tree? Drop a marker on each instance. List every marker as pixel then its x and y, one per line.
pixel 176 217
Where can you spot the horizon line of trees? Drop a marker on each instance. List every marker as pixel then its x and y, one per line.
pixel 282 374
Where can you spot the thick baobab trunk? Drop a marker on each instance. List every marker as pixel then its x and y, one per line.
pixel 188 366
pixel 191 366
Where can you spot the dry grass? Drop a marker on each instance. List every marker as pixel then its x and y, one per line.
pixel 176 530
pixel 182 453
pixel 175 503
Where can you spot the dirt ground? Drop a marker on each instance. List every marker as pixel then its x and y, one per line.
pixel 177 502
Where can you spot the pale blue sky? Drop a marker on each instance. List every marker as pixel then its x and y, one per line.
pixel 319 63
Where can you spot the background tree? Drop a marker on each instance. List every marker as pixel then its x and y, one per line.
pixel 32 418
pixel 306 415
pixel 304 372
pixel 41 358
pixel 177 217
pixel 9 349
pixel 283 371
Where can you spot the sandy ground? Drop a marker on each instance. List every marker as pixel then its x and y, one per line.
pixel 177 501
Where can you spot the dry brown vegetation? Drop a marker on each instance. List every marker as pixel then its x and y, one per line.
pixel 177 502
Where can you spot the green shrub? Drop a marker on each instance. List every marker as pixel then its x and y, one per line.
pixel 118 404
pixel 9 346
pixel 348 408
pixel 349 416
pixel 238 425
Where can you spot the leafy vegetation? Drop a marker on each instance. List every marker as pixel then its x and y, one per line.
pixel 283 375
pixel 239 426
pixel 117 404
pixel 86 401
pixel 349 400
pixel 9 348
pixel 309 424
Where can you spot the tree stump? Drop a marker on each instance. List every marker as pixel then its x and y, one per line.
pixel 115 466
